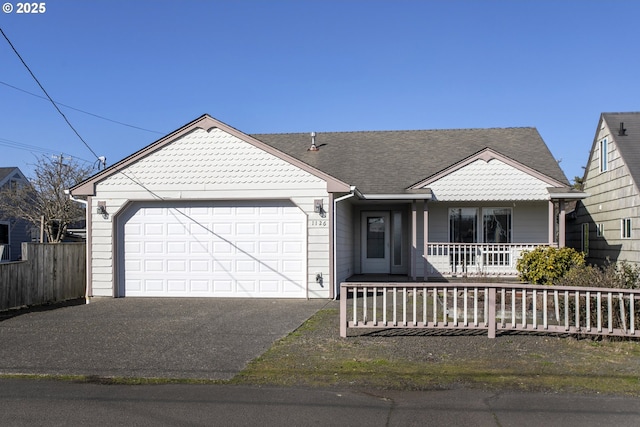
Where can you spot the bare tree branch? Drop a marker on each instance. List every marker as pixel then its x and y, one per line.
pixel 44 197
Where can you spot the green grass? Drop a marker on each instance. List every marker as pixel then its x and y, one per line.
pixel 313 357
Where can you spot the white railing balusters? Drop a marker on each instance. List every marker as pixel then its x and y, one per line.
pixel 445 318
pixel 524 309
pixel 424 305
pixel 355 306
pixel 513 307
pixel 622 315
pixel 588 308
pixel 435 306
pixel 577 316
pixel 632 319
pixel 477 258
pixel 503 301
pixel 465 320
pixel 545 309
pixel 599 303
pixel 455 306
pixel 395 307
pixel 610 310
pixel 566 310
pixel 384 306
pixel 364 305
pixel 535 309
pixel 404 306
pixel 415 306
pixel 475 306
pixel 375 304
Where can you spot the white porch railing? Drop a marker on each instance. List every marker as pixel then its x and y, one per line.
pixel 5 253
pixel 450 259
pixel 490 306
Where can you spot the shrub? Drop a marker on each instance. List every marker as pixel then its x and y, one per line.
pixel 544 265
pixel 622 275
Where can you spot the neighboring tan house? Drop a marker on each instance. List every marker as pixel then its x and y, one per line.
pixel 607 222
pixel 13 231
pixel 211 211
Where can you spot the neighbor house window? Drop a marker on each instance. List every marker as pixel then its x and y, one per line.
pixel 626 228
pixel 604 155
pixel 599 229
pixel 4 233
pixel 496 225
pixel 462 225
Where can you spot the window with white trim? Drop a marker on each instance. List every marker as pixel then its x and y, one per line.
pixel 496 225
pixel 604 156
pixel 626 228
pixel 462 225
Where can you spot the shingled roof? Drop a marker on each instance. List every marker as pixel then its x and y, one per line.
pixel 389 162
pixel 628 144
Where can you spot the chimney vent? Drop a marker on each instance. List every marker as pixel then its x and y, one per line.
pixel 313 147
pixel 622 131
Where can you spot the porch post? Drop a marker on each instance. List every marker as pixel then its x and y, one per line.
pixel 332 248
pixel 414 239
pixel 552 223
pixel 425 234
pixel 561 226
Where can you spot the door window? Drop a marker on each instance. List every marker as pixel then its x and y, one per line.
pixel 375 237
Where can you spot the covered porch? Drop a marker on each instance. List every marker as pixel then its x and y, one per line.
pixel 421 239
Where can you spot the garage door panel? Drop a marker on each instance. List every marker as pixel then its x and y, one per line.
pixel 199 266
pixel 252 249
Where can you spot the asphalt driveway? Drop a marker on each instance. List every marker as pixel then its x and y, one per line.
pixel 205 338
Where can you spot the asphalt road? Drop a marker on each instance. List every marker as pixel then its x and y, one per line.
pixel 51 403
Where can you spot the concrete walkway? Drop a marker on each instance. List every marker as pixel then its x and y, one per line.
pixel 203 338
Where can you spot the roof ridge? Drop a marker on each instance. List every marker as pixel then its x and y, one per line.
pixel 397 130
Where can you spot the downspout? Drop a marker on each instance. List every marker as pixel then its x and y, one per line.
pixel 335 236
pixel 86 210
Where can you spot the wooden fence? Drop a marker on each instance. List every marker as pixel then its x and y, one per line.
pixel 493 307
pixel 48 273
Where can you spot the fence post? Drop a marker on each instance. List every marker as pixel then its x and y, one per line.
pixel 492 313
pixel 343 310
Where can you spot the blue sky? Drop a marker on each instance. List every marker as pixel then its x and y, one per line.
pixel 302 66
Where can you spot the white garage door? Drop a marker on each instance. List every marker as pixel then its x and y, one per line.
pixel 214 249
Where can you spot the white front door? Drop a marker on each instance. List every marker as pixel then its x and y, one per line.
pixel 376 242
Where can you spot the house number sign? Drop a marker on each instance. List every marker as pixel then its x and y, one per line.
pixel 319 222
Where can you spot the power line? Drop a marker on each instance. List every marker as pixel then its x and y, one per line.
pixel 83 111
pixel 34 148
pixel 48 97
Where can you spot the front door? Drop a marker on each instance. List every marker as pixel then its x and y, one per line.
pixel 376 242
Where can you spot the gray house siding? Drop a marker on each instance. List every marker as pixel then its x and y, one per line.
pixel 613 196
